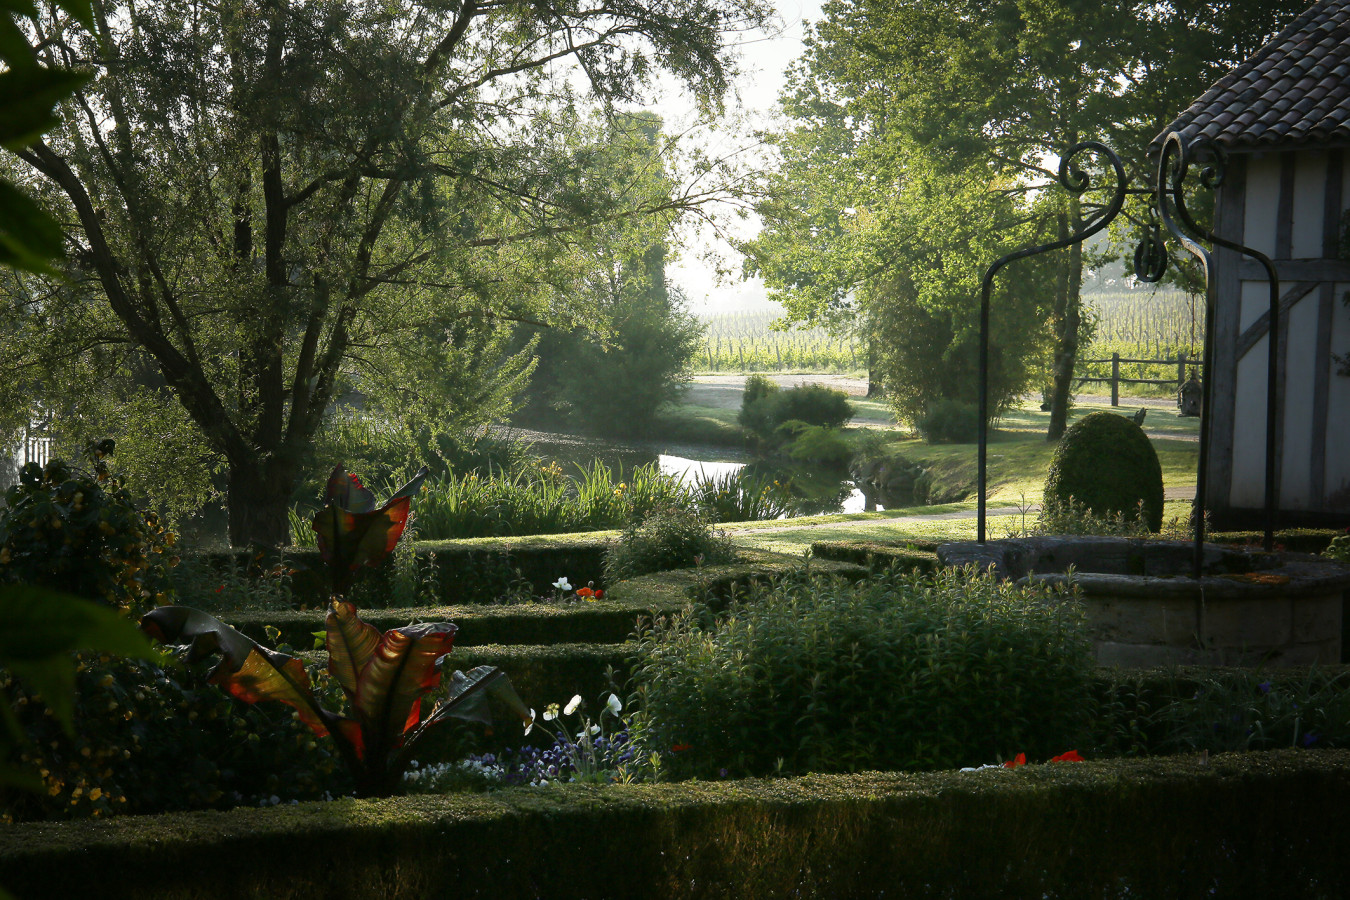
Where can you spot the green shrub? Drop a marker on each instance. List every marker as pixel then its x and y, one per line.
pixel 670 538
pixel 819 444
pixel 148 740
pixel 949 422
pixel 902 671
pixel 1339 549
pixel 78 530
pixel 765 410
pixel 738 497
pixel 813 404
pixel 1107 463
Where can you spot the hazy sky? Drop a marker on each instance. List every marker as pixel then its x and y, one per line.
pixel 765 58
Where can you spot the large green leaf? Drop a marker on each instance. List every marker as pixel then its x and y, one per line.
pixel 31 93
pixel 404 666
pixel 39 631
pixel 351 644
pixel 29 238
pixel 247 670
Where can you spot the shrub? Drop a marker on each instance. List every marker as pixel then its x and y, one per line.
pixel 813 404
pixel 77 530
pixel 739 497
pixel 950 422
pixel 670 538
pixel 1106 462
pixel 149 740
pixel 1339 549
pixel 903 671
pixel 820 444
pixel 765 409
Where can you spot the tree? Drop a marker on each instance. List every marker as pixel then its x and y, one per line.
pixel 270 202
pixel 1003 87
pixel 613 376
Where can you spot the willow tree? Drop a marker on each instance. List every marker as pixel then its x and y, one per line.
pixel 268 202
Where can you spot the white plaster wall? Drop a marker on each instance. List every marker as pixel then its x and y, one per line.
pixel 1338 408
pixel 1310 190
pixel 1249 429
pixel 1262 203
pixel 1300 374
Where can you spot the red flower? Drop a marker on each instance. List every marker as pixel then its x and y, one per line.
pixel 1018 760
pixel 680 748
pixel 220 588
pixel 1071 756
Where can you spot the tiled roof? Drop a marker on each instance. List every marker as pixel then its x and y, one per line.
pixel 1294 91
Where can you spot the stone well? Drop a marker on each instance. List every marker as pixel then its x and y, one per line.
pixel 1143 607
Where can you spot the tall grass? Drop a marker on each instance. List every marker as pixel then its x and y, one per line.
pixel 545 500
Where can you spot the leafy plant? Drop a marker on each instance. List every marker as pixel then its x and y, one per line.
pixel 383 675
pixel 671 538
pixel 77 530
pixel 949 421
pixel 738 497
pixel 897 672
pixel 1339 549
pixel 353 532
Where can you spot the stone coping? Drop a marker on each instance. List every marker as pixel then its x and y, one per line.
pixel 1148 569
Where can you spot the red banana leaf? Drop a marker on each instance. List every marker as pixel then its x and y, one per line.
pixel 247 670
pixel 351 644
pixel 352 532
pixel 404 666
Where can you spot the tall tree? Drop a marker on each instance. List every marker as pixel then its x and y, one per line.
pixel 1003 87
pixel 273 200
pixel 614 374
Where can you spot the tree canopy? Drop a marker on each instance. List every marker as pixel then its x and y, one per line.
pixel 270 203
pixel 982 96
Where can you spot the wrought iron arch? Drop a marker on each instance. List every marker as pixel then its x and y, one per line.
pixel 1168 191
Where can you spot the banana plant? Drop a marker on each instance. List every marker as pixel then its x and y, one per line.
pixel 353 532
pixel 385 677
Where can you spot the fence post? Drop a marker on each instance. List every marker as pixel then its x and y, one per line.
pixel 1115 379
pixel 1181 369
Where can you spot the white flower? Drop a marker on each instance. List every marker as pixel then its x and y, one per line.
pixel 572 705
pixel 530 724
pixel 613 705
pixel 550 712
pixel 563 584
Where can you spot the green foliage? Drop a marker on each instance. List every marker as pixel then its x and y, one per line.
pixel 78 530
pixel 949 422
pixel 902 671
pixel 1339 549
pixel 1107 463
pixel 359 200
pixel 819 444
pixel 740 497
pixel 1072 516
pixel 668 538
pixel 766 409
pixel 151 739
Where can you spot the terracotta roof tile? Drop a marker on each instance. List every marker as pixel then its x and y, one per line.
pixel 1292 92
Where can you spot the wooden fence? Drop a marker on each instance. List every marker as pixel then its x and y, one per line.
pixel 1115 380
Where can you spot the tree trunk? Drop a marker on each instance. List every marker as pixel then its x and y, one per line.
pixel 875 387
pixel 259 498
pixel 1067 318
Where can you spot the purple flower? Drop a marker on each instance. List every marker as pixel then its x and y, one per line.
pixel 1264 687
pixel 1310 738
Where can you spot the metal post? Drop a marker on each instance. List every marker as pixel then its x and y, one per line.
pixel 1115 379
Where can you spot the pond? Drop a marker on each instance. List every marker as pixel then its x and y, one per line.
pixel 816 490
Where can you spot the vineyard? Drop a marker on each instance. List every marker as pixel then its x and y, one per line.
pixel 1139 325
pixel 1135 325
pixel 744 342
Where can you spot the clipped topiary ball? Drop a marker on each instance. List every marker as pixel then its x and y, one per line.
pixel 1106 462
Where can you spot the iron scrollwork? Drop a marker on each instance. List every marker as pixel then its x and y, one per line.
pixel 1076 180
pixel 1169 205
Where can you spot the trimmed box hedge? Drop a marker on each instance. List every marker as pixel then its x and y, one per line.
pixel 880 554
pixel 1257 825
pixel 610 620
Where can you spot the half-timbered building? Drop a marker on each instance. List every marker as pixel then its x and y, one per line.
pixel 1283 116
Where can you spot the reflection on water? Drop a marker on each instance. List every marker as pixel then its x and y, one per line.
pixel 816 491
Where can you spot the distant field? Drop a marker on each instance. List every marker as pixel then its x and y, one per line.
pixel 1135 324
pixel 743 341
